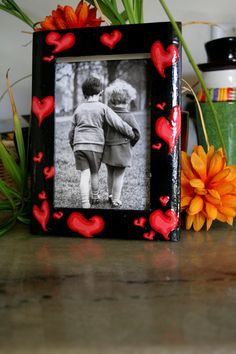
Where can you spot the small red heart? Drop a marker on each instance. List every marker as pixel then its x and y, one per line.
pixel 42 214
pixel 61 42
pixel 48 59
pixel 58 215
pixel 42 195
pixel 163 58
pixel 157 146
pixel 164 199
pixel 169 130
pixel 140 221
pixel 110 40
pixel 38 158
pixel 161 105
pixel 42 108
pixel 164 223
pixel 49 172
pixel 78 223
pixel 149 235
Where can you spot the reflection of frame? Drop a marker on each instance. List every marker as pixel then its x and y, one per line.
pixel 105 132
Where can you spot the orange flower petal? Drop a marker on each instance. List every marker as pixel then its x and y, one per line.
pixel 210 153
pixel 227 211
pixel 48 23
pixel 189 221
pixel 186 166
pixel 229 201
pixel 196 205
pixel 208 224
pixel 201 153
pixel 199 221
pixel 220 176
pixel 230 220
pixel 216 165
pixel 185 201
pixel 224 188
pixel 211 211
pixel 200 191
pixel 197 183
pixel 212 200
pixel 214 193
pixel 82 14
pixel 70 17
pixel 221 217
pixel 199 166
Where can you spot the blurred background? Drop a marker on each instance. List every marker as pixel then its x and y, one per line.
pixel 16 46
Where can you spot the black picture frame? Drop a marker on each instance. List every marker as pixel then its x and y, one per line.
pixel 162 220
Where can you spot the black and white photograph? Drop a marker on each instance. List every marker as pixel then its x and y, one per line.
pixel 102 134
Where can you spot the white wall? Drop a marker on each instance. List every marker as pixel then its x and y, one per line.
pixel 14 55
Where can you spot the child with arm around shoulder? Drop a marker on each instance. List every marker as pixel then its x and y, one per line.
pixel 86 137
pixel 118 149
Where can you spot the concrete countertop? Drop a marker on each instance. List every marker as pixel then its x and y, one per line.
pixel 75 295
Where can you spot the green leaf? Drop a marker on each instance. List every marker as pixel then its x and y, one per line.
pixel 11 166
pixel 138 10
pixel 6 226
pixel 24 220
pixel 5 205
pixel 130 12
pixel 110 12
pixel 18 9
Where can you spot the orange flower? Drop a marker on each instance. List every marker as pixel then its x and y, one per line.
pixel 208 188
pixel 66 17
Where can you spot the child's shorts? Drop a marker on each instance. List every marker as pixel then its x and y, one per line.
pixel 88 159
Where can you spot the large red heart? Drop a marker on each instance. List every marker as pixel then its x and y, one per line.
pixel 163 58
pixel 42 214
pixel 164 223
pixel 60 42
pixel 42 108
pixel 78 223
pixel 110 40
pixel 169 130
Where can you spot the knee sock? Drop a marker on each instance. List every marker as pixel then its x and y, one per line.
pixel 85 187
pixel 119 173
pixel 94 185
pixel 110 171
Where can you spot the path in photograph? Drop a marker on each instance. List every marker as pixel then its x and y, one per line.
pixel 136 189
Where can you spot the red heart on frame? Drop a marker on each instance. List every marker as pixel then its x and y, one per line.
pixel 169 131
pixel 42 195
pixel 157 146
pixel 78 223
pixel 161 105
pixel 149 235
pixel 48 59
pixel 58 215
pixel 140 221
pixel 38 158
pixel 42 108
pixel 60 42
pixel 164 199
pixel 42 214
pixel 163 58
pixel 164 223
pixel 49 172
pixel 110 40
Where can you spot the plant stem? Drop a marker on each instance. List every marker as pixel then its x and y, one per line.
pixel 197 72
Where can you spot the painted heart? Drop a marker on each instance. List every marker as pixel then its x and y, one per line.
pixel 110 40
pixel 157 146
pixel 164 223
pixel 48 59
pixel 161 106
pixel 163 58
pixel 149 235
pixel 38 158
pixel 49 172
pixel 42 214
pixel 140 221
pixel 164 199
pixel 42 108
pixel 169 130
pixel 42 195
pixel 60 42
pixel 88 228
pixel 58 215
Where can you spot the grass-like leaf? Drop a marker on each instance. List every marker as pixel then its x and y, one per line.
pixel 130 11
pixel 7 225
pixel 11 166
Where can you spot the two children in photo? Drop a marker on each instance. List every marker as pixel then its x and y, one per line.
pixel 103 133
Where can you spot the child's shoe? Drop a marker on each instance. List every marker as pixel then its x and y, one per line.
pixel 110 199
pixel 95 200
pixel 86 205
pixel 116 204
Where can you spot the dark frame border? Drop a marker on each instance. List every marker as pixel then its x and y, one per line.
pixel 162 221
